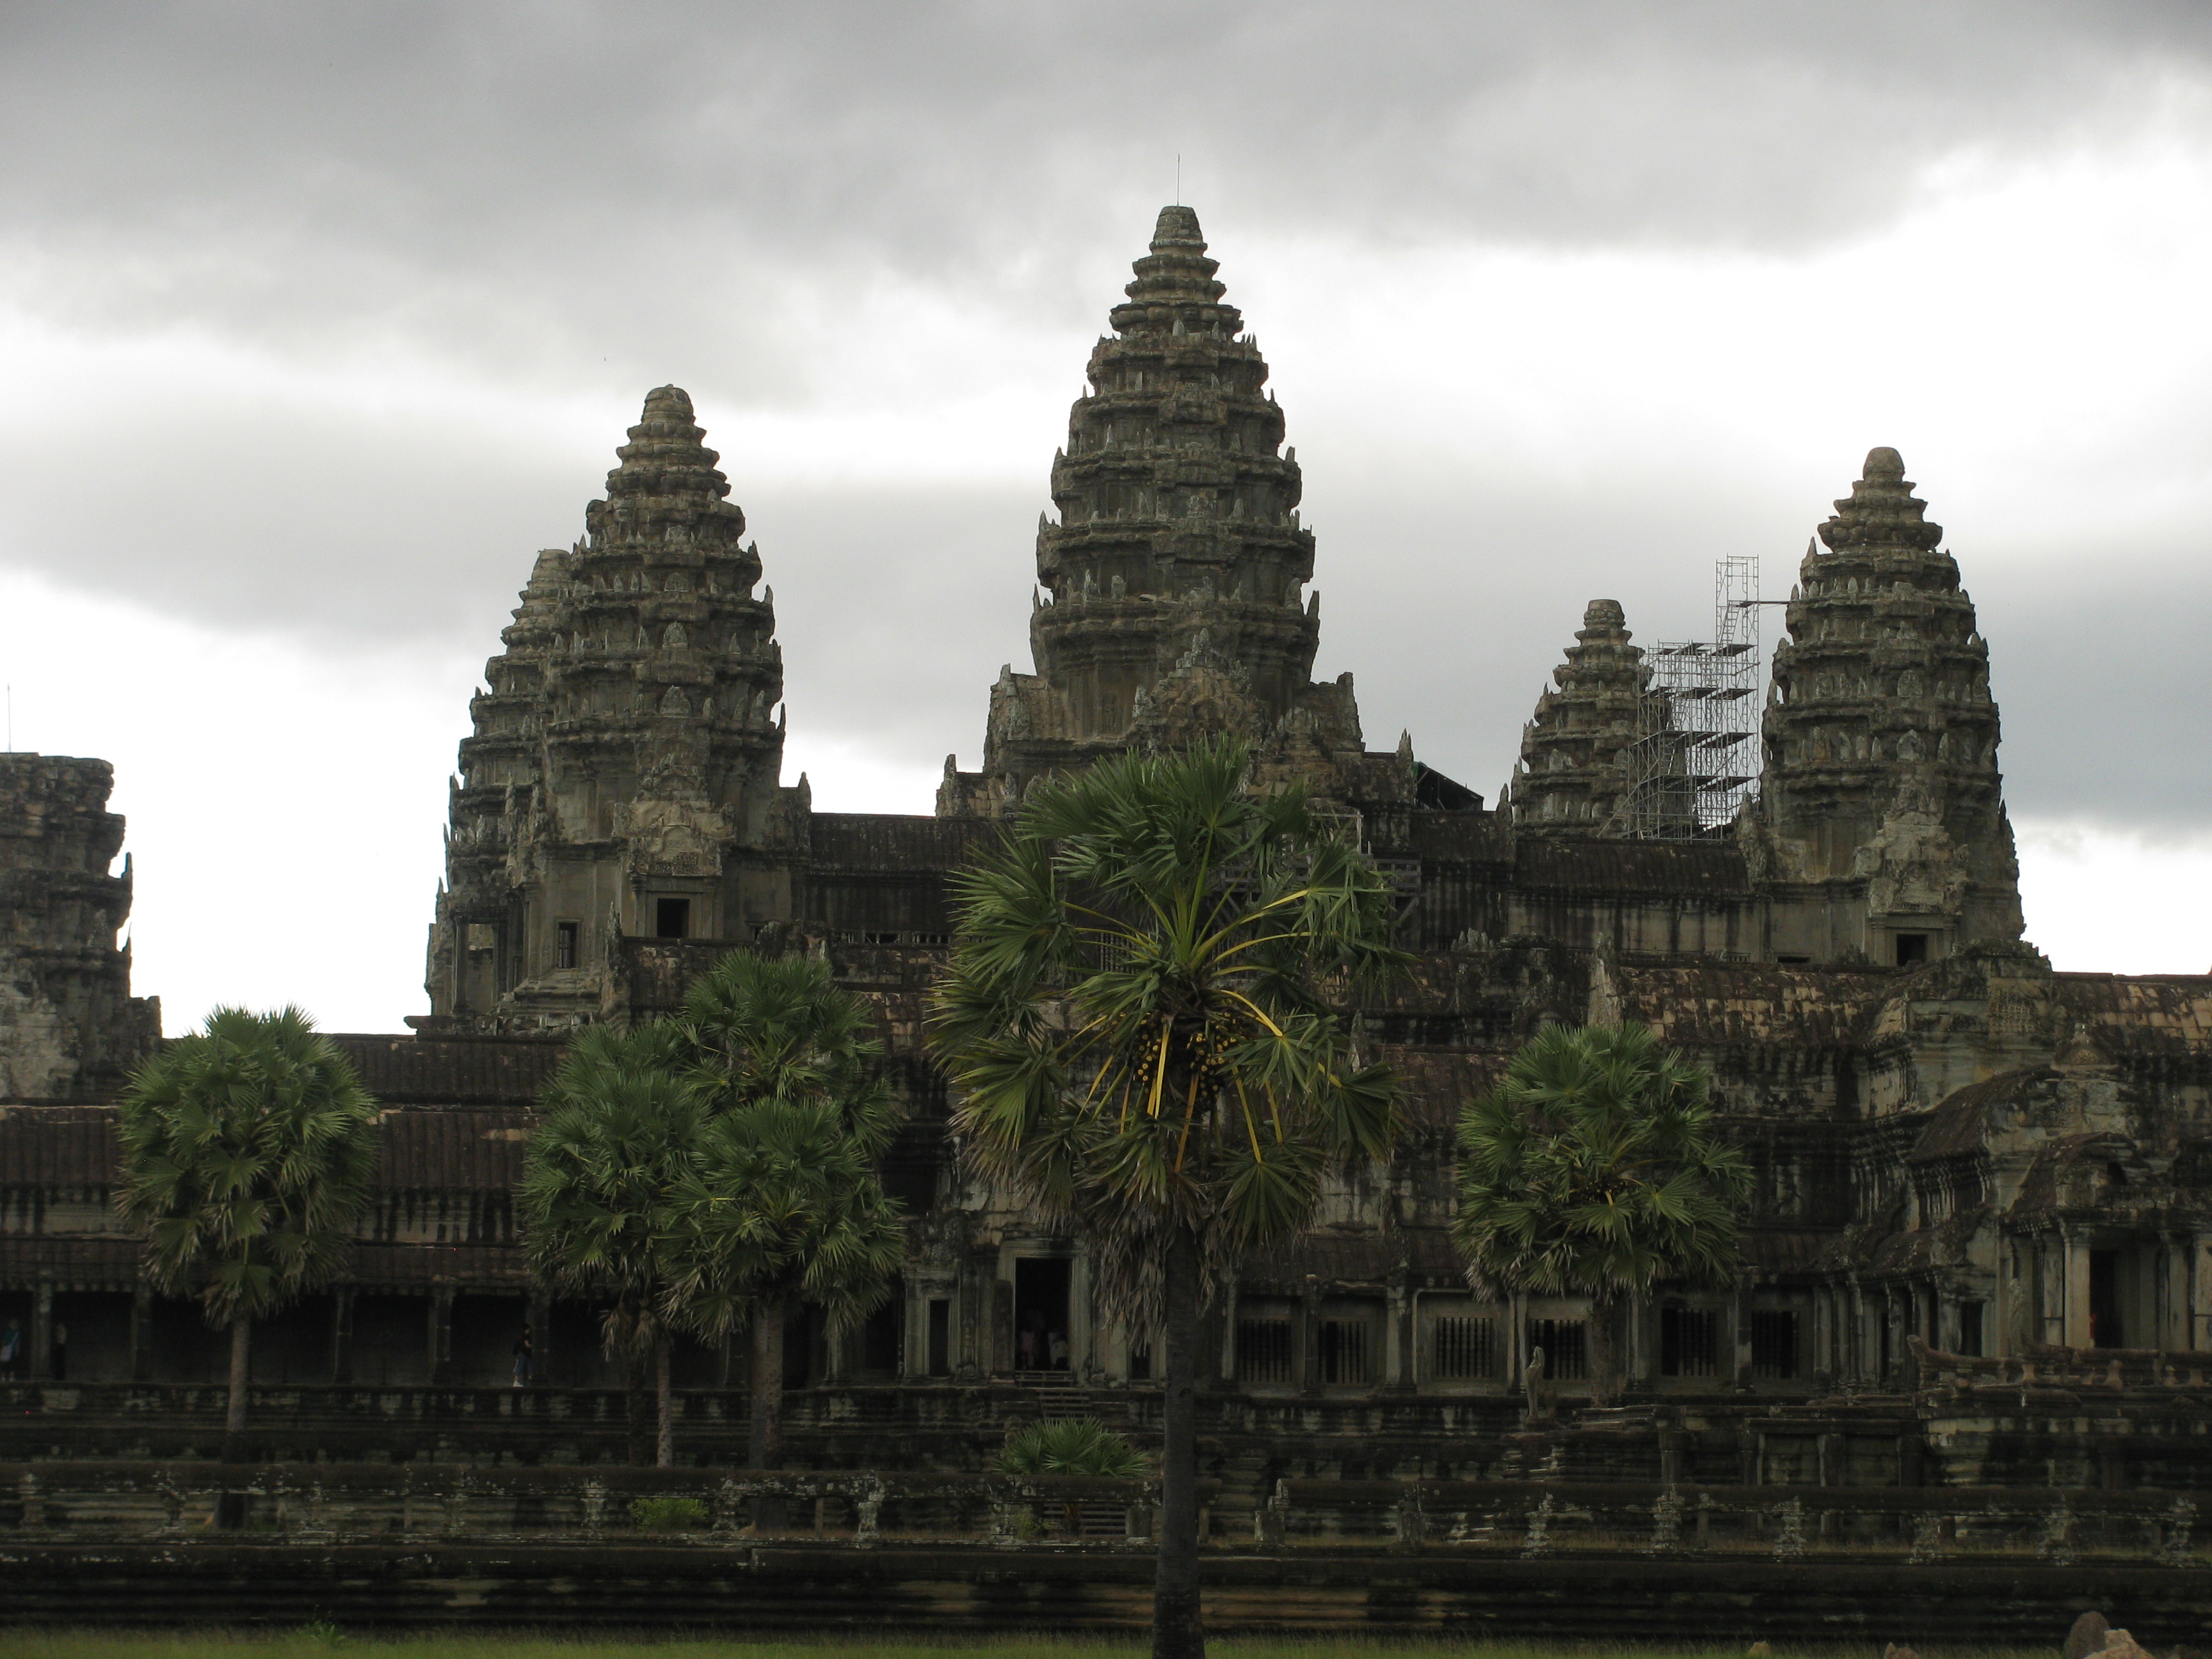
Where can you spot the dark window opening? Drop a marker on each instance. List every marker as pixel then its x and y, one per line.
pixel 1140 1361
pixel 2105 1330
pixel 1794 962
pixel 879 939
pixel 567 935
pixel 941 1337
pixel 1565 1343
pixel 672 918
pixel 1689 1341
pixel 1263 1351
pixel 1911 948
pixel 1970 1329
pixel 1462 1348
pixel 1040 1314
pixel 1773 1344
pixel 882 1334
pixel 1344 1349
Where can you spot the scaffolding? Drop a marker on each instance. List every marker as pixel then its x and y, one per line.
pixel 1696 755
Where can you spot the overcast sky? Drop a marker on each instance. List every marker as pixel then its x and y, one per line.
pixel 317 321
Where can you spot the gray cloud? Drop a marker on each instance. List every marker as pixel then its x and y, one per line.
pixel 581 200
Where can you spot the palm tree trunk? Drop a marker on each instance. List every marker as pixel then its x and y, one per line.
pixel 663 1451
pixel 764 1446
pixel 230 1506
pixel 1178 1632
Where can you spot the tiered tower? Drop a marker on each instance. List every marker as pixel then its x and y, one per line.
pixel 1881 782
pixel 69 1025
pixel 623 777
pixel 1574 765
pixel 1172 600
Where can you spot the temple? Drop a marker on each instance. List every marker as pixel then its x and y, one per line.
pixel 1966 1158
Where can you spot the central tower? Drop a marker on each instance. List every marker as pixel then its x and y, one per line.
pixel 1172 600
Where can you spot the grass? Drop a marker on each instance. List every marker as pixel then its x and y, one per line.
pixel 321 1641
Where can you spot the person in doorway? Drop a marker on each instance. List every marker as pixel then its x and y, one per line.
pixel 1031 1357
pixel 1059 1350
pixel 61 1352
pixel 11 1343
pixel 522 1357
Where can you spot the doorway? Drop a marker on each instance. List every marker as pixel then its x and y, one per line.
pixel 1040 1323
pixel 2106 1329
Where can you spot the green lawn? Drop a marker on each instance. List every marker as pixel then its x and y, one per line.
pixel 324 1643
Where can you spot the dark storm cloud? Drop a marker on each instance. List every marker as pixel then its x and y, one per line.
pixel 554 184
pixel 582 200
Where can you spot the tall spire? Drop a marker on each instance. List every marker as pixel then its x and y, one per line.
pixel 1880 732
pixel 626 744
pixel 1173 581
pixel 1574 752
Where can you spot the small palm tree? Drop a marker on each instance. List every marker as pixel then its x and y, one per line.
pixel 1141 1019
pixel 1595 1169
pixel 783 1204
pixel 248 1152
pixel 1073 1445
pixel 619 1136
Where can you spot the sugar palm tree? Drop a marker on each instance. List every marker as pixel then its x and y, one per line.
pixel 784 1204
pixel 1595 1169
pixel 247 1152
pixel 1141 1017
pixel 620 1133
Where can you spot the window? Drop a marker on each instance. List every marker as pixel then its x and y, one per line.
pixel 1970 1328
pixel 1462 1348
pixel 1793 962
pixel 1263 1351
pixel 1140 1361
pixel 1773 1344
pixel 672 918
pixel 1565 1343
pixel 1689 1341
pixel 1344 1349
pixel 1911 948
pixel 566 936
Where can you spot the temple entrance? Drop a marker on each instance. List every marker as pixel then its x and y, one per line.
pixel 1041 1325
pixel 2106 1328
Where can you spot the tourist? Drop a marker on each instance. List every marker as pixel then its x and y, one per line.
pixel 522 1358
pixel 11 1343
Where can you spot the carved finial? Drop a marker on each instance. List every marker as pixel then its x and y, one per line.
pixel 1406 744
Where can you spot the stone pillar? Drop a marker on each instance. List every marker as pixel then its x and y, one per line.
pixel 1740 1336
pixel 2076 1303
pixel 341 1334
pixel 2200 1294
pixel 41 1346
pixel 538 1314
pixel 2173 1302
pixel 1310 1337
pixel 141 1332
pixel 1853 1334
pixel 442 1334
pixel 1398 1336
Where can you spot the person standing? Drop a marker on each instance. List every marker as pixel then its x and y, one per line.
pixel 61 1353
pixel 11 1343
pixel 522 1357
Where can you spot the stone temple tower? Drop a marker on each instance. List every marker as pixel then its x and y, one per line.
pixel 1881 793
pixel 1574 766
pixel 623 777
pixel 1172 600
pixel 69 1025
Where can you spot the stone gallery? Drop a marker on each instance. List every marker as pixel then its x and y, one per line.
pixel 1971 1165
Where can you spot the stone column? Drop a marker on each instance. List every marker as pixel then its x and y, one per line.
pixel 1740 1336
pixel 2173 1303
pixel 1310 1337
pixel 2076 1314
pixel 141 1332
pixel 538 1314
pixel 41 1346
pixel 1398 1333
pixel 442 1334
pixel 2200 1295
pixel 341 1334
